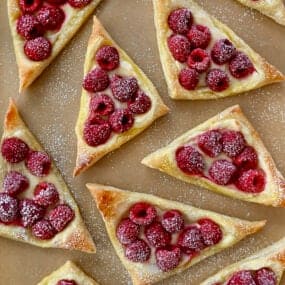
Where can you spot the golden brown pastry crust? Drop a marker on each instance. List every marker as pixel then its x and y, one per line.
pixel 29 70
pixel 266 73
pixel 86 155
pixel 75 236
pixel 274 193
pixel 113 203
pixel 68 271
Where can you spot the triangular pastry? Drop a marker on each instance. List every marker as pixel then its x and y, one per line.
pixel 118 100
pixel 36 206
pixel 226 155
pixel 203 58
pixel 156 238
pixel 41 29
pixel 68 274
pixel 262 268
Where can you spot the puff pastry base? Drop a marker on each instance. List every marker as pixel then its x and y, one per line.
pixel 75 236
pixel 86 155
pixel 233 118
pixel 113 203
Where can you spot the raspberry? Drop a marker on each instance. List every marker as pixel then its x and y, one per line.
pixel 222 171
pixel 15 183
pixel 189 78
pixel 96 80
pixel 102 104
pixel 96 134
pixel 138 251
pixel 30 212
pixel 108 58
pixel 172 221
pixel 14 150
pixel 30 6
pixel 199 36
pixel 265 276
pixel 9 210
pixel 179 47
pixel 124 88
pixel 217 80
pixel 156 235
pixel 95 119
pixel 66 282
pixel 211 232
pixel 51 17
pixel 168 258
pixel 241 66
pixel 191 240
pixel 127 231
pixel 210 143
pixel 189 160
pixel 38 163
pixel 247 159
pixel 243 277
pixel 199 60
pixel 121 120
pixel 142 213
pixel 56 2
pixel 223 51
pixel 180 20
pixel 251 181
pixel 233 143
pixel 38 49
pixel 29 27
pixel 78 3
pixel 43 230
pixel 61 216
pixel 46 194
pixel 141 103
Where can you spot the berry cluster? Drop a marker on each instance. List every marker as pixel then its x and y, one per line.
pixel 66 282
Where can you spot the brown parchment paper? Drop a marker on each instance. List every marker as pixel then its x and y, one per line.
pixel 50 108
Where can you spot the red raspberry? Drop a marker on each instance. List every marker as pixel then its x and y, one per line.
pixel 251 181
pixel 30 212
pixel 233 143
pixel 156 235
pixel 222 171
pixel 30 6
pixel 96 80
pixel 56 2
pixel 190 160
pixel 243 277
pixel 96 134
pixel 211 232
pixel 102 104
pixel 223 51
pixel 43 230
pixel 61 216
pixel 121 120
pixel 189 78
pixel 179 47
pixel 29 27
pixel 9 211
pixel 14 150
pixel 66 282
pixel 78 3
pixel 141 103
pixel 199 36
pixel 15 183
pixel 51 17
pixel 46 194
pixel 124 88
pixel 265 276
pixel 199 60
pixel 180 20
pixel 38 49
pixel 142 213
pixel 38 163
pixel 210 143
pixel 172 221
pixel 108 58
pixel 247 159
pixel 138 251
pixel 168 258
pixel 95 119
pixel 241 66
pixel 217 80
pixel 127 231
pixel 191 240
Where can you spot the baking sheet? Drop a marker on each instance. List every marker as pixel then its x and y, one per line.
pixel 50 107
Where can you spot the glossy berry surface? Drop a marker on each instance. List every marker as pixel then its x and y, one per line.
pixel 223 51
pixel 138 251
pixel 172 221
pixel 96 134
pixel 188 78
pixel 211 232
pixel 96 80
pixel 222 171
pixel 156 235
pixel 199 60
pixel 29 27
pixel 168 258
pixel 61 216
pixel 251 181
pixel 180 20
pixel 30 6
pixel 38 49
pixel 210 143
pixel 241 66
pixel 38 163
pixel 199 36
pixel 121 120
pixel 46 194
pixel 233 143
pixel 217 80
pixel 142 213
pixel 243 277
pixel 179 47
pixel 15 183
pixel 108 58
pixel 102 104
pixel 140 104
pixel 9 210
pixel 127 231
pixel 14 150
pixel 43 230
pixel 51 17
